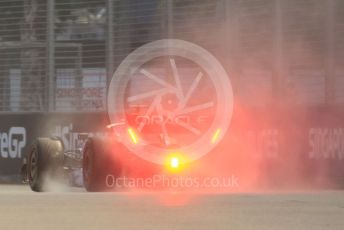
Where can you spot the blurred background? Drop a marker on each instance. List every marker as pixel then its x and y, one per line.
pixel 284 58
pixel 59 55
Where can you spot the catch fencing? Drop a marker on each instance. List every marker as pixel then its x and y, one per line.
pixel 58 56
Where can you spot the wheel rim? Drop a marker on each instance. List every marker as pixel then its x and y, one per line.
pixel 33 165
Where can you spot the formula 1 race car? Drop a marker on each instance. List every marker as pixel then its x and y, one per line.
pixel 90 165
pixel 97 157
pixel 47 160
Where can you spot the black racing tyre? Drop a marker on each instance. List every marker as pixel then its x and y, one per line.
pixel 99 162
pixel 45 162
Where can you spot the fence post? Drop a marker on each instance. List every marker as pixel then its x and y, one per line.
pixel 170 29
pixel 109 42
pixel 330 59
pixel 51 55
pixel 279 65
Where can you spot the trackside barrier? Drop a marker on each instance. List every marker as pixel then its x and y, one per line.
pixel 283 145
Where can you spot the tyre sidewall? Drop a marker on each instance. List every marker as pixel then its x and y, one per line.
pixel 49 156
pixel 102 162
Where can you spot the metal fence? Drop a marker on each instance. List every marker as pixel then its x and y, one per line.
pixel 58 55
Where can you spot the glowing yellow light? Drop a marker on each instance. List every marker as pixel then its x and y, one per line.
pixel 215 136
pixel 174 162
pixel 132 135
